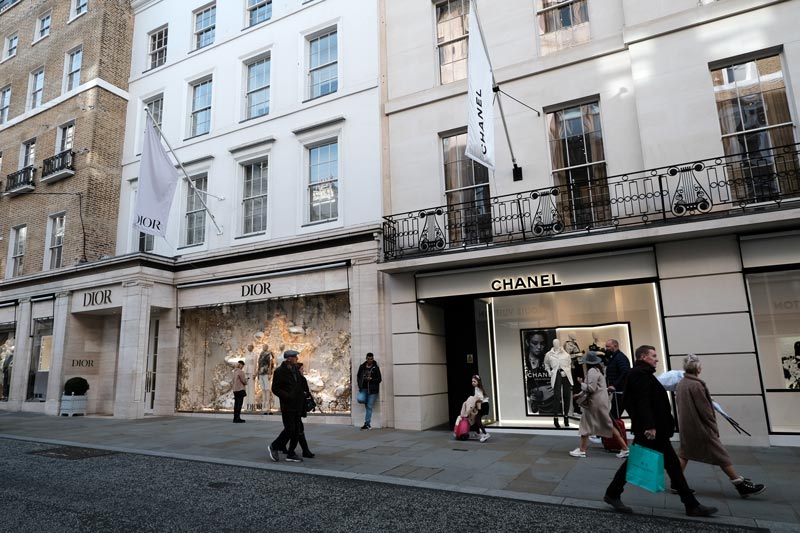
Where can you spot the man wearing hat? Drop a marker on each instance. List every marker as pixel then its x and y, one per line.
pixel 287 386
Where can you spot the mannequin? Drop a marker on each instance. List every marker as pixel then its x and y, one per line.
pixel 266 366
pixel 8 364
pixel 250 370
pixel 558 363
pixel 577 370
pixel 595 347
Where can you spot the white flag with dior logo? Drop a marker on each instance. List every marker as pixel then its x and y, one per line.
pixel 158 178
pixel 480 114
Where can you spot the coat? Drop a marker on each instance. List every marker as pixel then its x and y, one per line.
pixel 698 424
pixel 555 361
pixel 647 403
pixel 471 409
pixel 596 419
pixel 364 372
pixel 288 387
pixel 239 380
pixel 617 370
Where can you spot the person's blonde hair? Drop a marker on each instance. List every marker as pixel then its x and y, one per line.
pixel 691 364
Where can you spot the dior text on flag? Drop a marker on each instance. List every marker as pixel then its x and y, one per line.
pixel 158 178
pixel 480 114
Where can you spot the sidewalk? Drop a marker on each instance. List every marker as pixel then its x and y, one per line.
pixel 526 467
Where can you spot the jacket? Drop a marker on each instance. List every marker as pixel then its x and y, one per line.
pixel 698 423
pixel 647 403
pixel 555 361
pixel 288 387
pixel 239 380
pixel 372 385
pixel 617 370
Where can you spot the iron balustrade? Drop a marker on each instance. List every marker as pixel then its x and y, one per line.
pixel 21 178
pixel 57 163
pixel 722 186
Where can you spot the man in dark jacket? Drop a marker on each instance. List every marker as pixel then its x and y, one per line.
pixel 287 385
pixel 617 368
pixel 368 379
pixel 652 426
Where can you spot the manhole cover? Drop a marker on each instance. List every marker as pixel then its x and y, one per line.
pixel 71 452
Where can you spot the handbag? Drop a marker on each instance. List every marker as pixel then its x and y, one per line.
pixel 309 404
pixel 645 468
pixel 362 396
pixel 583 399
pixel 461 428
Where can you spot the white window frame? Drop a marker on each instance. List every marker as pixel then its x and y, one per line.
pixel 264 194
pixel 198 32
pixel 196 110
pixel 449 42
pixel 43 25
pixel 248 91
pixel 16 252
pixel 310 70
pixel 35 94
pixel 78 8
pixel 156 110
pixel 72 76
pixel 65 137
pixel 332 139
pixel 157 53
pixel 253 7
pixel 54 256
pixel 27 153
pixel 5 103
pixel 194 207
pixel 7 50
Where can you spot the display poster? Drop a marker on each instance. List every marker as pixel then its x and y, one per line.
pixel 538 390
pixel 789 350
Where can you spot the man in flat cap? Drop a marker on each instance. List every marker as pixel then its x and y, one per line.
pixel 287 386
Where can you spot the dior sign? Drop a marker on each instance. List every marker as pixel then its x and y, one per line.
pixel 102 297
pixel 256 289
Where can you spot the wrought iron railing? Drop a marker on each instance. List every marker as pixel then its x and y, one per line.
pixel 20 178
pixel 721 186
pixel 57 163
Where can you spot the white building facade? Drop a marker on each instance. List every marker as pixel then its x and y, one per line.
pixel 655 202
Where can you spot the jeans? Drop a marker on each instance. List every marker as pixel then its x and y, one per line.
pixel 370 402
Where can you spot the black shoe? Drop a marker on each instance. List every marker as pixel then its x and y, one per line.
pixel 673 490
pixel 556 424
pixel 273 454
pixel 617 504
pixel 366 426
pixel 240 421
pixel 701 510
pixel 308 455
pixel 566 422
pixel 748 488
pixel 293 458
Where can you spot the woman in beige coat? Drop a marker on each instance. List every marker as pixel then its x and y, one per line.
pixel 596 419
pixel 698 428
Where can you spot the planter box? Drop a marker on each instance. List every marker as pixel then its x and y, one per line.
pixel 72 405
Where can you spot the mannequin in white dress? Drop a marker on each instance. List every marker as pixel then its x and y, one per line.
pixel 558 363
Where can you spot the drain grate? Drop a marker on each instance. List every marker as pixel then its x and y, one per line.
pixel 71 452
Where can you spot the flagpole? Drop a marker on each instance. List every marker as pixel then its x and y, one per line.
pixel 495 88
pixel 185 174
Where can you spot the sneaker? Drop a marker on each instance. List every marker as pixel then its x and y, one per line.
pixel 577 453
pixel 293 458
pixel 747 488
pixel 366 426
pixel 623 454
pixel 309 455
pixel 485 437
pixel 273 455
pixel 701 510
pixel 617 504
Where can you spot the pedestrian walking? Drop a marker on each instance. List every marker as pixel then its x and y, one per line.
pixel 288 387
pixel 698 428
pixel 595 404
pixel 369 379
pixel 239 386
pixel 302 435
pixel 473 407
pixel 652 425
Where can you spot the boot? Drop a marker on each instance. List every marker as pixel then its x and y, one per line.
pixel 555 422
pixel 566 422
pixel 746 487
pixel 304 445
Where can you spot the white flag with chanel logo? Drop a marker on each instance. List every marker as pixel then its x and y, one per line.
pixel 480 114
pixel 158 178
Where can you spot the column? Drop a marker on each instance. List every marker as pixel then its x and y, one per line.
pixel 55 379
pixel 22 356
pixel 132 356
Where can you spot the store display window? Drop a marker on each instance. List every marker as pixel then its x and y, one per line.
pixel 41 357
pixel 7 343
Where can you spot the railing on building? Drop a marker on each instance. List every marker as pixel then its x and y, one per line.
pixel 20 181
pixel 721 186
pixel 58 167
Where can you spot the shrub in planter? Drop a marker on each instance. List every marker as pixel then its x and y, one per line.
pixel 77 386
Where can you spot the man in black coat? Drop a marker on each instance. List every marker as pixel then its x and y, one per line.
pixel 287 385
pixel 369 380
pixel 652 426
pixel 617 368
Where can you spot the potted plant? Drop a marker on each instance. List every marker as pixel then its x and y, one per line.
pixel 73 401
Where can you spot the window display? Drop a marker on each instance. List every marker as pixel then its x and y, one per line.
pixel 41 353
pixel 6 362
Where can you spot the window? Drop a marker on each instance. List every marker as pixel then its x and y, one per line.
pixel 66 136
pixel 5 4
pixel 158 47
pixel 11 46
pixel 562 23
pixel 205 23
pixel 195 212
pixel 147 242
pixel 254 197
pixel 467 192
pixel 156 107
pixel 259 11
pixel 322 65
pixel 5 103
pixel 37 87
pixel 80 7
pixel 55 247
pixel 41 357
pixel 43 27
pixel 18 238
pixel 754 119
pixel 452 30
pixel 258 87
pixel 579 166
pixel 73 68
pixel 201 108
pixel 323 182
pixel 28 153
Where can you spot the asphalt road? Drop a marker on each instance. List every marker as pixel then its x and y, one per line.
pixel 41 490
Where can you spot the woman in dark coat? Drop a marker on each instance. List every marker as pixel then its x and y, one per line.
pixel 698 428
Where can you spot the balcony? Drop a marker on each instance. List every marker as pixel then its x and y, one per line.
pixel 712 188
pixel 58 167
pixel 20 182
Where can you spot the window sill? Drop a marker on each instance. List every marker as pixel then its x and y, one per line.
pixel 151 69
pixel 254 118
pixel 256 24
pixel 249 235
pixel 196 136
pixel 320 96
pixel 190 52
pixel 185 246
pixel 321 222
pixel 76 17
pixel 40 39
pixel 7 58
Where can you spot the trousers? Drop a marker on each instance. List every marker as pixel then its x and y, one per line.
pixel 291 431
pixel 562 393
